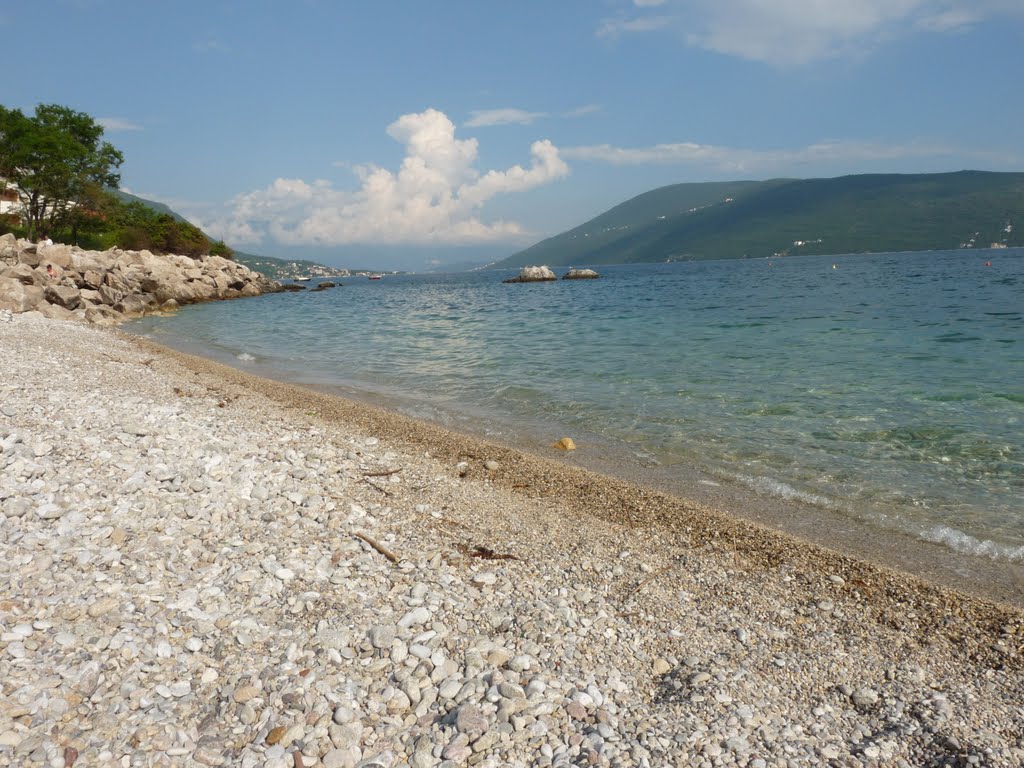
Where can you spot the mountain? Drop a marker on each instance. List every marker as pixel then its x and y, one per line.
pixel 848 214
pixel 125 197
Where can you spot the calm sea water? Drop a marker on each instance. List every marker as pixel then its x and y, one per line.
pixel 886 389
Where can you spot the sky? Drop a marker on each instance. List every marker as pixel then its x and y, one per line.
pixel 407 134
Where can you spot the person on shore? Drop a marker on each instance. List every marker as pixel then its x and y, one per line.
pixel 45 240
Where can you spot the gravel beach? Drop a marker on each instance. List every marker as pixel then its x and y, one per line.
pixel 202 567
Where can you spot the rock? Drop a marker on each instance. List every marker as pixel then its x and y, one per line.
pixel 18 297
pixel 580 274
pixel 533 275
pixel 23 273
pixel 565 444
pixel 62 295
pixel 471 719
pixel 864 698
pixel 130 282
pixel 382 635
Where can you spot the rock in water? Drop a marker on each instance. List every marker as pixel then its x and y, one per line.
pixel 580 274
pixel 565 444
pixel 533 275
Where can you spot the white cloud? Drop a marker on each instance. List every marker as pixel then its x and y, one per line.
pixel 435 196
pixel 586 109
pixel 615 27
pixel 487 117
pixel 732 160
pixel 790 33
pixel 117 124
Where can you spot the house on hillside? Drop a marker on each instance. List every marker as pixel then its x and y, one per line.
pixel 10 204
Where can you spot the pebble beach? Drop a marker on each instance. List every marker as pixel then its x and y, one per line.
pixel 200 567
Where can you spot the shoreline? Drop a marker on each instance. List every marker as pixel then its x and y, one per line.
pixel 585 492
pixel 894 550
pixel 218 577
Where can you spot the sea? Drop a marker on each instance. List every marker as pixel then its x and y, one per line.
pixel 872 402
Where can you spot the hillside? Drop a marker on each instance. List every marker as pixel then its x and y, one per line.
pixel 848 214
pixel 268 266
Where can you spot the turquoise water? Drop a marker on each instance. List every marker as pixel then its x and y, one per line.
pixel 887 389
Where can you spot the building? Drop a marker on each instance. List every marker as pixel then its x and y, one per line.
pixel 10 204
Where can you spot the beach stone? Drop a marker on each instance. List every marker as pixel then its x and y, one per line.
pixel 864 698
pixel 382 636
pixel 470 719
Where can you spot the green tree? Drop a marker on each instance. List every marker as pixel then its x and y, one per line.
pixel 57 160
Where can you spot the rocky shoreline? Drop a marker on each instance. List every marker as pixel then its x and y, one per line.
pixel 208 568
pixel 65 282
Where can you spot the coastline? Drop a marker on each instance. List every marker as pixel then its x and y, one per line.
pixel 627 626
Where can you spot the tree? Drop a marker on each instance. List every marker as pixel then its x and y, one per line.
pixel 56 159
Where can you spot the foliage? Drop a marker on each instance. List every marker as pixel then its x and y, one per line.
pixel 135 226
pixel 57 161
pixel 220 248
pixel 849 214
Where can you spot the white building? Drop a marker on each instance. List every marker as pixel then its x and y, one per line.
pixel 10 203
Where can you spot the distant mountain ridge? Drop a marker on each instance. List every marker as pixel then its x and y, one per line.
pixel 780 217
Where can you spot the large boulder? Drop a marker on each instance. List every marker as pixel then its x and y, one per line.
pixel 58 255
pixel 30 255
pixel 18 297
pixel 533 275
pixel 23 273
pixel 8 248
pixel 64 296
pixel 137 304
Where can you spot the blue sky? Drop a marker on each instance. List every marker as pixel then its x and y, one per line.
pixel 401 134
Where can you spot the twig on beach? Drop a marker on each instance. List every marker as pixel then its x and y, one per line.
pixel 372 484
pixel 378 546
pixel 484 553
pixel 385 473
pixel 651 578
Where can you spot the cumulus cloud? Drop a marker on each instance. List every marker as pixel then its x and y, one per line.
pixel 117 124
pixel 487 117
pixel 732 160
pixel 789 33
pixel 434 197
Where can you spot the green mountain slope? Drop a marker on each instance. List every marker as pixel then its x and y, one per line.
pixel 848 214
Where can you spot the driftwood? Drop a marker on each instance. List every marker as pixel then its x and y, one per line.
pixel 385 473
pixel 378 546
